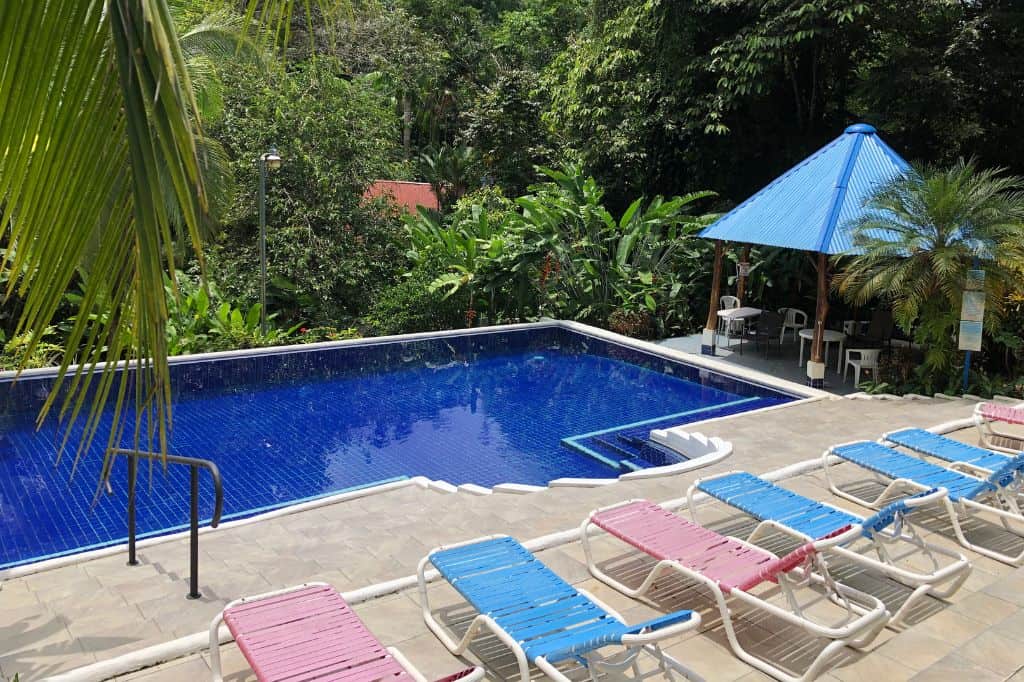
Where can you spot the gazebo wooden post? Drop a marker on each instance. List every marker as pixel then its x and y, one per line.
pixel 708 338
pixel 741 279
pixel 816 365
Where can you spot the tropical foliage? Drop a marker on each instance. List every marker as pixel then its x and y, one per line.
pixel 918 239
pixel 559 251
pixel 328 252
pixel 199 321
pixel 98 133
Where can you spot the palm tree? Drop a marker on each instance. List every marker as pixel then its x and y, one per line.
pixel 101 174
pixel 918 237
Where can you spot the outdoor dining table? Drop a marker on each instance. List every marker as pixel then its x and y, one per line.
pixel 743 314
pixel 828 336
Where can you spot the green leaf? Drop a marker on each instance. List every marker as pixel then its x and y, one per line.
pixel 252 318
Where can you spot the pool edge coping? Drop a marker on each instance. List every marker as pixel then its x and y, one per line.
pixel 743 373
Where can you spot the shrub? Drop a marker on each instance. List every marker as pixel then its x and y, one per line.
pixel 199 322
pixel 412 305
pixel 45 353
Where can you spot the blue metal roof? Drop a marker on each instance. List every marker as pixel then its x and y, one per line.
pixel 808 206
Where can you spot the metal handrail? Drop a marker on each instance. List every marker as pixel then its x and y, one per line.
pixel 194 464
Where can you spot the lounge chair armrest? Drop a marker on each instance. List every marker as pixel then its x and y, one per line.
pixel 890 513
pixel 1003 476
pixel 925 498
pixel 837 537
pixel 691 618
pixel 468 675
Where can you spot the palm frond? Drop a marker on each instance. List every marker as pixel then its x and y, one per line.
pixel 86 134
pixel 101 174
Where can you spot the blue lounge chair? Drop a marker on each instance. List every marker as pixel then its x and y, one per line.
pixel 542 618
pixel 960 456
pixel 995 495
pixel 886 540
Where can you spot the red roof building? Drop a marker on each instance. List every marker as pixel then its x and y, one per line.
pixel 406 195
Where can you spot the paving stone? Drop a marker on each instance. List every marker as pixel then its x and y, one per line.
pixel 1010 588
pixel 955 667
pixel 389 618
pixel 431 658
pixel 872 668
pixel 916 650
pixel 994 651
pixel 708 658
pixel 985 608
pixel 1013 627
pixel 187 669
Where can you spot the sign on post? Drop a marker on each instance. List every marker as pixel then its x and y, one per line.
pixel 743 268
pixel 972 311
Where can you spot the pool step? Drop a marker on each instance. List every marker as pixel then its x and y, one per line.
pixel 623 452
pixel 629 447
pixel 646 452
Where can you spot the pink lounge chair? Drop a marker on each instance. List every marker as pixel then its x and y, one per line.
pixel 307 633
pixel 730 568
pixel 985 414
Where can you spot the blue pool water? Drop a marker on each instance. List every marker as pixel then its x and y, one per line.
pixel 483 408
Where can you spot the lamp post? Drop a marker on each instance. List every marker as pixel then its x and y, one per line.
pixel 272 161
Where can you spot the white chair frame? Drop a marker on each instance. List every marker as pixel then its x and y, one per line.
pixel 214 646
pixel 1002 504
pixel 793 318
pixel 645 642
pixel 890 546
pixel 729 327
pixel 997 439
pixel 865 617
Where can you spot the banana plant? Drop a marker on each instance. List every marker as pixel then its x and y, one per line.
pixel 473 240
pixel 602 263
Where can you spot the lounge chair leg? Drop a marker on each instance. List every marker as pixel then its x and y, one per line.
pixel 215 647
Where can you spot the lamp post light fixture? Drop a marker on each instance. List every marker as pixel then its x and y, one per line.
pixel 269 160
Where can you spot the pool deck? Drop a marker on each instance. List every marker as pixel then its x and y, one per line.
pixel 72 616
pixel 781 362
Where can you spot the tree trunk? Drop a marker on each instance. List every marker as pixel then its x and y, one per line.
pixel 741 280
pixel 821 310
pixel 406 125
pixel 716 288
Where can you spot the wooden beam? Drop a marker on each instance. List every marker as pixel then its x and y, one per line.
pixel 716 288
pixel 820 310
pixel 741 280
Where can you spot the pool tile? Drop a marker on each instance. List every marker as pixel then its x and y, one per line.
pixel 483 408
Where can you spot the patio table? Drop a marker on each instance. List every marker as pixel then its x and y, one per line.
pixel 743 314
pixel 828 336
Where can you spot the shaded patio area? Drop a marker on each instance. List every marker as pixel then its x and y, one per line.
pixel 781 361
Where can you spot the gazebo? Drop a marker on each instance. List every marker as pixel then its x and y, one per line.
pixel 807 208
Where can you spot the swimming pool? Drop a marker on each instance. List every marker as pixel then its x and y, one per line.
pixel 524 405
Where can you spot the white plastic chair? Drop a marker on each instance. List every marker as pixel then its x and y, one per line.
pixel 861 359
pixel 793 319
pixel 729 327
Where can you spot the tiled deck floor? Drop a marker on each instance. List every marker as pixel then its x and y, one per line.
pixel 68 617
pixel 782 362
